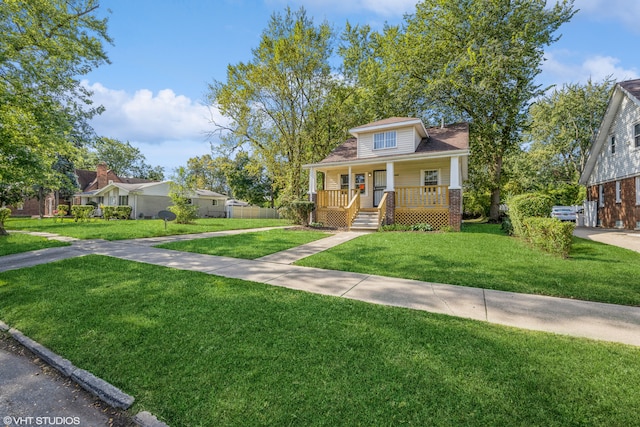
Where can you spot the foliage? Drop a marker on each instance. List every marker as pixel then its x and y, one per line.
pixel 476 203
pixel 480 59
pixel 116 212
pixel 123 159
pixel 298 211
pixel 525 206
pixel 283 102
pixel 248 180
pixel 421 227
pixel 395 227
pixel 207 173
pixel 60 212
pixel 5 213
pixel 180 193
pixel 44 108
pixel 549 234
pixel 82 212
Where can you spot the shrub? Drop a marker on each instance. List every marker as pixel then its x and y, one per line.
pixel 298 211
pixel 81 212
pixel 422 227
pixel 116 212
pixel 5 213
pixel 528 205
pixel 63 210
pixel 549 234
pixel 185 212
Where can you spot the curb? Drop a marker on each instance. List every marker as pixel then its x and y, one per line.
pixel 94 385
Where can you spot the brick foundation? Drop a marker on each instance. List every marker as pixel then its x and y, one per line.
pixel 391 207
pixel 611 212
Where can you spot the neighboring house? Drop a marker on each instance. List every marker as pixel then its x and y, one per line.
pixel 393 171
pixel 612 171
pixel 145 197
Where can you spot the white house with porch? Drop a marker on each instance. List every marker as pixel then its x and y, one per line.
pixel 393 171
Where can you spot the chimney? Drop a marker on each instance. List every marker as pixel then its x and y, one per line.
pixel 101 175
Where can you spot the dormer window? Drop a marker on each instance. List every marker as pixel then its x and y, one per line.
pixel 384 140
pixel 636 135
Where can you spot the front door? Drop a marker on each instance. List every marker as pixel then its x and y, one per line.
pixel 379 185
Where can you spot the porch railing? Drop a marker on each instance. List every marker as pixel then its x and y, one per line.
pixel 382 209
pixel 424 196
pixel 334 198
pixel 353 208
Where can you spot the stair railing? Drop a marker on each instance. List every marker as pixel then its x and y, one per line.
pixel 382 209
pixel 353 208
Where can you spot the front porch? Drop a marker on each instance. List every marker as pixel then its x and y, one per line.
pixel 405 205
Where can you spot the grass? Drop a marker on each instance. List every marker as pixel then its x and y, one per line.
pixel 482 256
pixel 247 245
pixel 196 349
pixel 120 230
pixel 16 243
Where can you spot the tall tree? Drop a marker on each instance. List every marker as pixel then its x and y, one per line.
pixel 276 103
pixel 480 58
pixel 44 110
pixel 124 159
pixel 205 172
pixel 565 122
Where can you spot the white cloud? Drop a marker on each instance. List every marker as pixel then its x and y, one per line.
pixel 167 128
pixel 625 11
pixel 561 67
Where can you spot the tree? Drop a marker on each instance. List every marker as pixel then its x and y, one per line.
pixel 207 173
pixel 248 181
pixel 277 102
pixel 180 192
pixel 124 159
pixel 480 58
pixel 44 109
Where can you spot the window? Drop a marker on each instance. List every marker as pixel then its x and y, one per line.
pixel 123 200
pixel 618 192
pixel 100 200
pixel 344 182
pixel 636 135
pixel 638 190
pixel 214 202
pixel 613 145
pixel 384 140
pixel 430 177
pixel 360 183
pixel 601 195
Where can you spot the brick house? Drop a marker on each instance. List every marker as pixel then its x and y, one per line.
pixel 393 171
pixel 612 171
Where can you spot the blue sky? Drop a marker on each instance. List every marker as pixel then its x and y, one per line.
pixel 166 52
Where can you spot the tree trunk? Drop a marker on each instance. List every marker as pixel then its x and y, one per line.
pixel 494 209
pixel 3 232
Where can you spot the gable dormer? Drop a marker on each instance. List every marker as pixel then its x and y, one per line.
pixel 395 135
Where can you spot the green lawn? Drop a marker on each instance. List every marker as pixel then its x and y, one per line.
pixel 482 256
pixel 133 229
pixel 16 242
pixel 196 349
pixel 247 245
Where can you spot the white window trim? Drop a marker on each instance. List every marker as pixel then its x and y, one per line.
pixel 422 174
pixel 384 137
pixel 618 192
pixel 633 136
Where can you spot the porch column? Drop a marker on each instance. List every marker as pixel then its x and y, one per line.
pixel 390 179
pixel 391 195
pixel 313 195
pixel 455 194
pixel 350 185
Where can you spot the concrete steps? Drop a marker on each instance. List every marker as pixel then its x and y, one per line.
pixel 365 221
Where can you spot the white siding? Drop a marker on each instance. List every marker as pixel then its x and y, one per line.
pixel 408 174
pixel 150 205
pixel 405 143
pixel 160 189
pixel 626 160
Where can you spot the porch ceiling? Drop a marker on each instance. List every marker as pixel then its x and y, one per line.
pixel 382 161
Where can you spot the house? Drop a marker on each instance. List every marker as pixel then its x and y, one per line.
pixel 612 171
pixel 146 198
pixel 393 171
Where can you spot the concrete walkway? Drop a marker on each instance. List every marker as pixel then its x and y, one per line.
pixel 622 238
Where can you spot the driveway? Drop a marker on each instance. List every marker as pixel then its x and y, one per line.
pixel 623 238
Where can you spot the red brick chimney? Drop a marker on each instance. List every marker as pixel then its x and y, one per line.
pixel 101 175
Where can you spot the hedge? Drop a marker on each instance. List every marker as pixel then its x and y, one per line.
pixel 528 205
pixel 549 234
pixel 116 212
pixel 298 211
pixel 81 212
